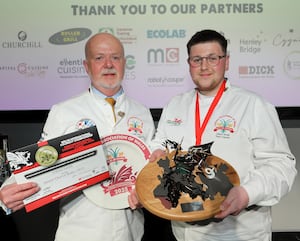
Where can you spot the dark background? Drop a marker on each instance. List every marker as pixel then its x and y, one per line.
pixel 24 128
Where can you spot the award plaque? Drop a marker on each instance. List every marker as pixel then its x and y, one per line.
pixel 185 185
pixel 126 155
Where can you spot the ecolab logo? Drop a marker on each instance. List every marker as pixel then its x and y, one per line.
pixel 166 33
pixel 257 70
pixel 161 56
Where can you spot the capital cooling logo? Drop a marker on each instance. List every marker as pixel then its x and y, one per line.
pixel 163 56
pixel 257 71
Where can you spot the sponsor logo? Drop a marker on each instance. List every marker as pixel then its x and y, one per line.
pixel 286 39
pixel 252 45
pixel 130 73
pixel 70 36
pixel 27 70
pixel 165 81
pixel 161 56
pixel 7 68
pixel 22 36
pixel 130 62
pixel 71 68
pixel 125 35
pixel 22 43
pixel 106 30
pixel 166 33
pixel 292 65
pixel 31 70
pixel 258 71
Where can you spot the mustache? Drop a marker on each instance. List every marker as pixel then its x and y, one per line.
pixel 108 71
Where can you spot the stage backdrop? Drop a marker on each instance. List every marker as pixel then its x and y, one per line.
pixel 42 46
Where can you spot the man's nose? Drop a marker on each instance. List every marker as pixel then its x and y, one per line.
pixel 204 63
pixel 108 62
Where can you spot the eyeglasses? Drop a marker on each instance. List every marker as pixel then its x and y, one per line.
pixel 212 60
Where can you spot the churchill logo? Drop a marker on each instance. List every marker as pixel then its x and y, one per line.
pixel 70 36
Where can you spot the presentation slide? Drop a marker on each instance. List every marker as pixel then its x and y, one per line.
pixel 42 47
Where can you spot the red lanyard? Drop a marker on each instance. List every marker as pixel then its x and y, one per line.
pixel 198 127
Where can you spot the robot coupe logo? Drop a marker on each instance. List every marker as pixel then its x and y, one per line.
pixel 161 56
pixel 22 36
pixel 70 36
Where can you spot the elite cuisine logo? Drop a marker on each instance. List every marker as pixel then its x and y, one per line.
pixel 70 36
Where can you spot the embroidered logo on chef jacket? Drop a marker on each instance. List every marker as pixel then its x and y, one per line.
pixel 224 126
pixel 84 123
pixel 135 125
pixel 175 122
pixel 81 124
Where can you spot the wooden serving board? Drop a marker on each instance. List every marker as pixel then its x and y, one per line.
pixel 150 180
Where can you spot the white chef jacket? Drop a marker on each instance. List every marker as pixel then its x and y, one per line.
pixel 246 132
pixel 81 219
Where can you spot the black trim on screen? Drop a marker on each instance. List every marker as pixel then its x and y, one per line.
pixel 39 116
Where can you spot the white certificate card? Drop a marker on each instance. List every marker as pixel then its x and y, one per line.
pixel 60 166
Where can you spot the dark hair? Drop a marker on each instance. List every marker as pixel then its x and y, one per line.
pixel 207 35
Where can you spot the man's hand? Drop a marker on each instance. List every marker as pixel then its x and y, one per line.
pixel 236 201
pixel 156 154
pixel 133 200
pixel 12 195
